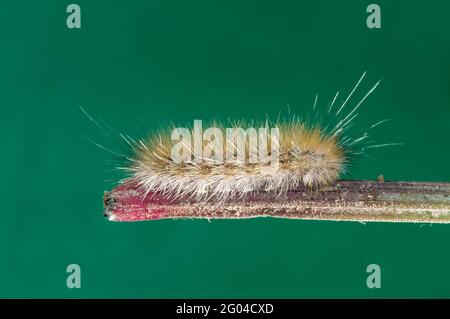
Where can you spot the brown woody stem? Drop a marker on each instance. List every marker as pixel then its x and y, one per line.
pixel 346 200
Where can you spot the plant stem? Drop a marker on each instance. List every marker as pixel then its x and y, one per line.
pixel 346 200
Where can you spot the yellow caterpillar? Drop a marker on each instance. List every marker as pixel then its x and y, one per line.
pixel 226 162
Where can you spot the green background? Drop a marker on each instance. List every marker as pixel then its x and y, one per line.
pixel 139 63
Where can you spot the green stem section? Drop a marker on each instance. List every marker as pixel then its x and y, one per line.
pixel 345 200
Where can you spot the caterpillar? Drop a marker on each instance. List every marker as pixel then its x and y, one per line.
pixel 308 154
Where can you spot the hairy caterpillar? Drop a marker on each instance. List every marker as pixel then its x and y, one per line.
pixel 309 155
